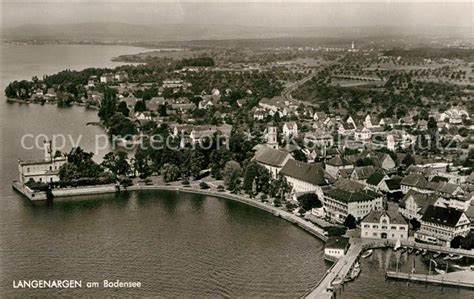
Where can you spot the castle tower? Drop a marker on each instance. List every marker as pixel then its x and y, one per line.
pixel 48 150
pixel 272 137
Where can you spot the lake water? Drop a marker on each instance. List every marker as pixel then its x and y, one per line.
pixel 177 245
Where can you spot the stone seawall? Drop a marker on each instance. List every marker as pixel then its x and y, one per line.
pixel 105 189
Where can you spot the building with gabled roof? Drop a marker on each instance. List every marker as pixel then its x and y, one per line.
pixel 415 182
pixel 335 248
pixel 414 204
pixel 335 164
pixel 304 177
pixel 384 224
pixel 290 129
pixel 375 180
pixel 339 203
pixel 391 185
pixel 440 225
pixel 362 173
pixel 272 159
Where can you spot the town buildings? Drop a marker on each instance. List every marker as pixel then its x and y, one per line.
pixel 440 225
pixel 414 204
pixel 339 203
pixel 304 177
pixel 335 248
pixel 272 159
pixel 384 224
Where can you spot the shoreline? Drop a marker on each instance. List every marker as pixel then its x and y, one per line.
pixel 108 189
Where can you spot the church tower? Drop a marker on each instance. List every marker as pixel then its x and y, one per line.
pixel 272 137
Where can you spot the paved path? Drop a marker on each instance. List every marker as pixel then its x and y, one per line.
pixel 337 271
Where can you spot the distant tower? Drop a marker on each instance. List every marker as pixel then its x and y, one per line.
pixel 353 46
pixel 272 137
pixel 48 150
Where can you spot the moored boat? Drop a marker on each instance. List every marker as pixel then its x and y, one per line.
pixel 439 271
pixel 337 281
pixel 437 254
pixel 448 257
pixel 457 257
pixel 410 250
pixel 424 252
pixel 418 251
pixel 397 246
pixel 355 272
pixel 367 253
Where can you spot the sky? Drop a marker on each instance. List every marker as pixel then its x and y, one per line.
pixel 244 13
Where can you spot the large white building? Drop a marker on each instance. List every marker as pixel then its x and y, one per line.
pixel 339 203
pixel 335 248
pixel 414 204
pixel 384 225
pixel 41 171
pixel 290 129
pixel 304 177
pixel 440 225
pixel 272 159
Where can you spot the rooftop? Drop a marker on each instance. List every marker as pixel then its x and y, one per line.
pixel 311 173
pixel 442 216
pixel 272 157
pixel 347 197
pixel 374 217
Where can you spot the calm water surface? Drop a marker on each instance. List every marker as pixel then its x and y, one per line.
pixel 174 244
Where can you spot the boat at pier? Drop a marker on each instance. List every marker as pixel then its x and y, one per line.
pixel 367 253
pixel 457 257
pixel 439 271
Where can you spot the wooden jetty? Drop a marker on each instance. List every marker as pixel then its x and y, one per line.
pixel 336 273
pixel 463 279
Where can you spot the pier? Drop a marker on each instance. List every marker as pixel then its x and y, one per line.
pixel 463 279
pixel 337 272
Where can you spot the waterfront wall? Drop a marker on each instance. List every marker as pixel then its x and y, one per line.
pixel 105 189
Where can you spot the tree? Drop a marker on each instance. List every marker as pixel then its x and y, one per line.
pixel 84 166
pixel 350 222
pixel 196 163
pixel 122 108
pixel 68 172
pixel 121 126
pixel 231 174
pixel 408 160
pixel 170 172
pixel 309 201
pixel 142 163
pixel 468 241
pixel 415 224
pixel 256 178
pixel 456 241
pixel 139 106
pixel 117 163
pixel 432 125
pixel 279 188
pixel 108 107
pixel 336 231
